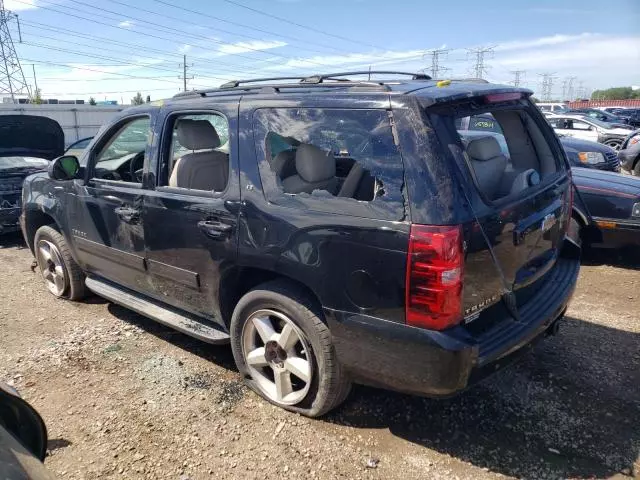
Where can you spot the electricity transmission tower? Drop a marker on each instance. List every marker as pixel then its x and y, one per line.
pixel 184 77
pixel 12 79
pixel 518 77
pixel 479 53
pixel 435 55
pixel 547 85
pixel 570 88
pixel 564 89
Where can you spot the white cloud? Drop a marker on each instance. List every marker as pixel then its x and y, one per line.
pixel 127 24
pixel 184 48
pixel 243 47
pixel 543 41
pixel 322 62
pixel 21 5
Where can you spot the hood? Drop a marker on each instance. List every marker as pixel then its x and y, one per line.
pixel 619 130
pixel 572 143
pixel 606 181
pixel 30 136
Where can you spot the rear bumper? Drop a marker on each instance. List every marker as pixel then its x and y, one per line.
pixel 9 220
pixel 431 363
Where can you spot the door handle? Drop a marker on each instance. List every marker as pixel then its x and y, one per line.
pixel 128 214
pixel 215 230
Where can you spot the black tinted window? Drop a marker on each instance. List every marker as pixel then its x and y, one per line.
pixel 334 156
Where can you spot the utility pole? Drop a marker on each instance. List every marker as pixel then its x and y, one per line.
pixel 547 85
pixel 479 53
pixel 517 77
pixel 435 61
pixel 35 81
pixel 184 73
pixel 12 80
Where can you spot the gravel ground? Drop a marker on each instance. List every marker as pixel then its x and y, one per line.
pixel 124 397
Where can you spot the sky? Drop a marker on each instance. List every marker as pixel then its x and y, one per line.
pixel 114 49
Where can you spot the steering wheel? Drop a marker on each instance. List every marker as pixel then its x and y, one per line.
pixel 136 167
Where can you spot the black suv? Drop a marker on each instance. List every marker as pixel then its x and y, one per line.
pixel 332 230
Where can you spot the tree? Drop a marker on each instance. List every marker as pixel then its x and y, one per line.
pixel 615 93
pixel 92 101
pixel 137 100
pixel 37 98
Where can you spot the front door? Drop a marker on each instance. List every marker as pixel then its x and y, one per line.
pixel 191 218
pixel 108 233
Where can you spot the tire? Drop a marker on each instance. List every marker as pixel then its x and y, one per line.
pixel 282 304
pixel 615 144
pixel 62 275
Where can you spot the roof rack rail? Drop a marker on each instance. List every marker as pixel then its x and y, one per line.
pixel 469 80
pixel 333 76
pixel 237 83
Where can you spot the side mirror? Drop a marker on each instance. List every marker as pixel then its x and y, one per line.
pixel 64 168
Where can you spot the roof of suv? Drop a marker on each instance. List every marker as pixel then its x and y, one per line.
pixel 434 91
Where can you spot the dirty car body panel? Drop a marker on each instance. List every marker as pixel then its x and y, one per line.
pixel 350 256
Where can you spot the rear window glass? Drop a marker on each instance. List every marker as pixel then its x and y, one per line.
pixel 505 151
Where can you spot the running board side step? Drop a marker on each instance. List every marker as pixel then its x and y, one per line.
pixel 182 322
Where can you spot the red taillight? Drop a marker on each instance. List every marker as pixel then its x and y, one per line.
pixel 434 276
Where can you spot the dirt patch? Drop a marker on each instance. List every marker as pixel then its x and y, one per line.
pixel 126 398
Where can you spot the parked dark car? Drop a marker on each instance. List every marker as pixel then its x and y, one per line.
pixel 345 232
pixel 23 438
pixel 629 153
pixel 587 154
pixel 27 143
pixel 612 201
pixel 598 115
pixel 631 115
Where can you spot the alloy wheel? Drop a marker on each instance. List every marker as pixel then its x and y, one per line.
pixel 278 357
pixel 51 267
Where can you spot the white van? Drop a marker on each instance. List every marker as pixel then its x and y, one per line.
pixel 553 107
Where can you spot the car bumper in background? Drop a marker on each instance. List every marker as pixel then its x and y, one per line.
pixel 618 233
pixel 9 220
pixel 432 363
pixel 628 156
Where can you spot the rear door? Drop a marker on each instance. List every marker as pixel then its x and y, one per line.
pixel 191 217
pixel 519 191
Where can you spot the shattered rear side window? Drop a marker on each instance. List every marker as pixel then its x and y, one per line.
pixel 331 156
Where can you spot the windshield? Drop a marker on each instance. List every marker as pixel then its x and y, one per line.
pixel 22 162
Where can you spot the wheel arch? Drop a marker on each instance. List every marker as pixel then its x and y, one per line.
pixel 34 219
pixel 243 279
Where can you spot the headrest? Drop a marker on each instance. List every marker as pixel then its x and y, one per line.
pixel 484 148
pixel 197 134
pixel 313 164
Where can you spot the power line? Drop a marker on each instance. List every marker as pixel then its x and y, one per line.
pixel 436 68
pixel 518 77
pixel 129 49
pixel 124 63
pixel 480 68
pixel 125 44
pixel 12 79
pixel 306 27
pixel 69 14
pixel 193 35
pixel 136 7
pixel 268 32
